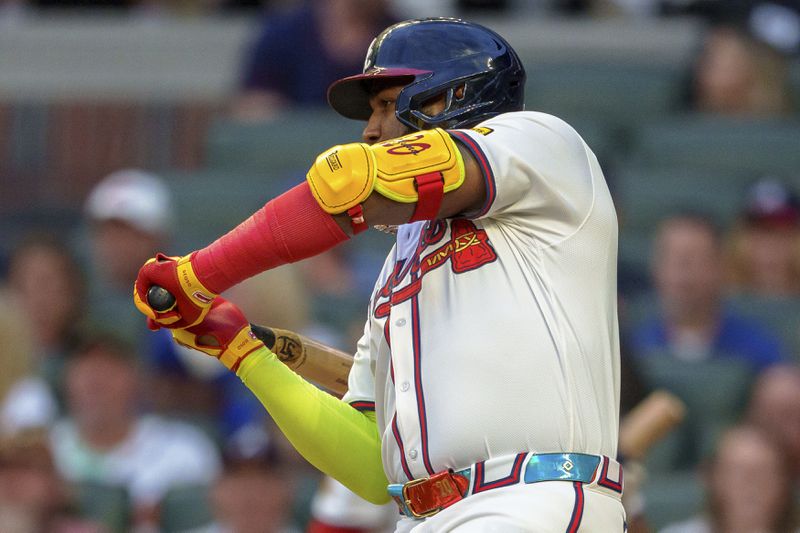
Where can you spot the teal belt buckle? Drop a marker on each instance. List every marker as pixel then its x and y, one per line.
pixel 561 467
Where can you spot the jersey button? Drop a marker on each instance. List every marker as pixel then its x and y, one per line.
pixel 400 322
pixel 404 386
pixel 413 454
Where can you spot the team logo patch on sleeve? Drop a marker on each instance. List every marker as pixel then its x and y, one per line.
pixel 483 130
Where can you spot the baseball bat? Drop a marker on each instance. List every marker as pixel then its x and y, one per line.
pixel 323 365
pixel 649 422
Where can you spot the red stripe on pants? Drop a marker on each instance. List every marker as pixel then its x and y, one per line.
pixel 577 510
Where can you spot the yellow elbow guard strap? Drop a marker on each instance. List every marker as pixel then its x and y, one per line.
pixel 419 167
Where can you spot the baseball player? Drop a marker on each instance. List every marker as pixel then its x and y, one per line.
pixel 484 392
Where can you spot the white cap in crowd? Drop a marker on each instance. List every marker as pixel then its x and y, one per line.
pixel 134 197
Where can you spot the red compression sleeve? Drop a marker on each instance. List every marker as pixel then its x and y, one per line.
pixel 287 229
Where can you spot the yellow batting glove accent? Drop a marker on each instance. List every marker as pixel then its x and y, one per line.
pixel 231 355
pixel 191 284
pixel 143 307
pixel 240 347
pixel 190 340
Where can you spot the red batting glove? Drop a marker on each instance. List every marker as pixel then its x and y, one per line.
pixel 224 333
pixel 175 274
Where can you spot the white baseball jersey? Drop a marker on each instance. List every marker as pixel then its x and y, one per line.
pixel 496 333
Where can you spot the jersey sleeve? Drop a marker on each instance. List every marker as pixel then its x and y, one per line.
pixel 539 173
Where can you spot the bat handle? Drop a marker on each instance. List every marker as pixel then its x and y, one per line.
pixel 160 299
pixel 264 334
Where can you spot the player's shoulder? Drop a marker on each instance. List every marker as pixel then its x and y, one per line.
pixel 530 124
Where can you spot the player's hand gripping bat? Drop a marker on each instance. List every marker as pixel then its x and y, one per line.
pixel 316 362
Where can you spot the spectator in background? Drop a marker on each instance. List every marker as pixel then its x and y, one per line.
pixel 749 489
pixel 692 323
pixel 105 439
pixel 336 509
pixel 26 400
pixel 32 496
pixel 738 74
pixel 774 408
pixel 765 247
pixel 256 490
pixel 300 52
pixel 129 213
pixel 47 286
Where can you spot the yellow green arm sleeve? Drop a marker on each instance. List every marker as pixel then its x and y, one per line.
pixel 337 439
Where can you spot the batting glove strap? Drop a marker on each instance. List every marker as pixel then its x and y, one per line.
pixel 239 348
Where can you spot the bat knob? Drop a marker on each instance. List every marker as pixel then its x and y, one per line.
pixel 160 299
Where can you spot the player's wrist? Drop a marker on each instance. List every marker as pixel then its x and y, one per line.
pixel 242 346
pixel 255 359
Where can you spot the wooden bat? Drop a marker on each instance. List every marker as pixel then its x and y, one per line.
pixel 649 422
pixel 320 364
pixel 316 362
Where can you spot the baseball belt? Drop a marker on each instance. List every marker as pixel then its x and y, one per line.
pixel 424 497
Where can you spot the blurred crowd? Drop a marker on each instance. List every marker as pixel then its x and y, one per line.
pixel 107 426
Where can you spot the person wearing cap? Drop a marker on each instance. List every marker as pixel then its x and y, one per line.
pixel 765 245
pixel 258 488
pixel 130 214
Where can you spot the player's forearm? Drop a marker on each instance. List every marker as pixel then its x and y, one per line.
pixel 337 439
pixel 287 229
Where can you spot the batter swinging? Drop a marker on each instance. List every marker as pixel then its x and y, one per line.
pixel 484 393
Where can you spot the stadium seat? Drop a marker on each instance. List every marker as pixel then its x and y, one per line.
pixel 289 143
pixel 107 504
pixel 617 94
pixel 210 202
pixel 714 392
pixel 672 497
pixel 719 145
pixel 794 83
pixel 646 195
pixel 185 509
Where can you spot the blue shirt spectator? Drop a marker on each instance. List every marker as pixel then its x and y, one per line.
pixel 691 322
pixel 736 336
pixel 298 53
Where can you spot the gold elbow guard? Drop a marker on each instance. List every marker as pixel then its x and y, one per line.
pixel 344 176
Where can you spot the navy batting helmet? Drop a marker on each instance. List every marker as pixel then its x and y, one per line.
pixel 433 57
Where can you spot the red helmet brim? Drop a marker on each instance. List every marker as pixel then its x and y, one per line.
pixel 350 96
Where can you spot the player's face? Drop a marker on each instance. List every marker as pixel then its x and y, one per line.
pixel 383 123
